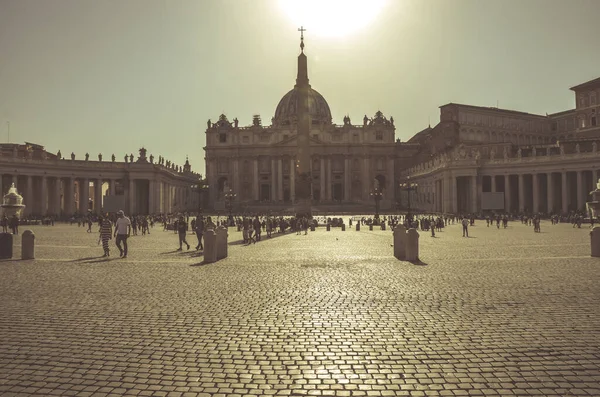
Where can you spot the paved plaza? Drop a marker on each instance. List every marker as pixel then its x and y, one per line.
pixel 505 312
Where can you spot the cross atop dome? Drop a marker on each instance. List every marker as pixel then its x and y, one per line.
pixel 302 30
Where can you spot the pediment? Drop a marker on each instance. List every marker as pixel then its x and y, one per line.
pixel 293 141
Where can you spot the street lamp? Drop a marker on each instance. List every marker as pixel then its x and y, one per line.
pixel 229 197
pixel 377 195
pixel 200 188
pixel 409 187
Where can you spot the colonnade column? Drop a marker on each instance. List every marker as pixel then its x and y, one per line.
pixel 131 196
pixel 112 186
pixel 151 197
pixel 44 196
pixel 347 180
pixel 366 182
pixel 236 176
pixel 256 186
pixel 580 195
pixel 84 195
pixel 565 204
pixel 68 195
pixel 280 178
pixel 56 198
pixel 507 204
pixel 29 200
pixel 521 193
pixel 292 180
pixel 454 187
pixel 273 180
pixel 536 193
pixel 550 192
pixel 97 195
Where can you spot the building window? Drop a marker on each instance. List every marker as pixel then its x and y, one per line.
pixel 222 138
pixel 245 139
pixel 379 136
pixel 592 98
pixel 264 137
pixel 582 122
pixel 355 138
pixel 593 121
pixel 315 136
pixel 285 137
pixel 337 137
pixel 554 125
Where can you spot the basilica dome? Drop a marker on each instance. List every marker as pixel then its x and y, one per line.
pixel 287 109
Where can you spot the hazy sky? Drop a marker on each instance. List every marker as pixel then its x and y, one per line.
pixel 113 75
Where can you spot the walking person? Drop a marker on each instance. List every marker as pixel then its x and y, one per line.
pixel 181 231
pixel 465 227
pixel 199 232
pixel 122 231
pixel 105 234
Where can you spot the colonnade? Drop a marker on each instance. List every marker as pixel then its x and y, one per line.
pixel 67 195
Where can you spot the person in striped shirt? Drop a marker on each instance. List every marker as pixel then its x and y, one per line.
pixel 105 234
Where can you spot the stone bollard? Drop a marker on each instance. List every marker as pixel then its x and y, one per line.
pixel 412 245
pixel 221 242
pixel 371 227
pixel 400 242
pixel 343 227
pixel 28 245
pixel 210 246
pixel 358 226
pixel 595 240
pixel 328 227
pixel 6 245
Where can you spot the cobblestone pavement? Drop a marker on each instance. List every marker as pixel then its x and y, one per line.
pixel 505 312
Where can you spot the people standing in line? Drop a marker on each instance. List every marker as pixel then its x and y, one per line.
pixel 4 223
pixel 105 234
pixel 199 232
pixel 14 224
pixel 181 231
pixel 122 232
pixel 465 227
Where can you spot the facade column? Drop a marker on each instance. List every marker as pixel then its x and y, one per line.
pixel 292 180
pixel 329 180
pixel 97 195
pixel 521 193
pixel 473 185
pixel 273 180
pixel 236 177
pixel 255 181
pixel 15 180
pixel 550 192
pixel 454 196
pixel 595 177
pixel 580 196
pixel 44 196
pixel 366 183
pixel 322 180
pixel 280 178
pixel 536 193
pixel 507 195
pixel 112 186
pixel 2 193
pixel 446 208
pixel 347 180
pixel 493 179
pixel 565 204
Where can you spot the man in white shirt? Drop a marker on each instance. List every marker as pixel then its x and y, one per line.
pixel 122 231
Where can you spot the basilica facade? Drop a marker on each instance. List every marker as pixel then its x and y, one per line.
pixel 258 162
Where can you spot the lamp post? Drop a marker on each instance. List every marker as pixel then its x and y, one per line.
pixel 376 194
pixel 229 197
pixel 200 188
pixel 409 187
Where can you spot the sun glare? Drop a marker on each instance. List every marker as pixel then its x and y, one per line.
pixel 333 18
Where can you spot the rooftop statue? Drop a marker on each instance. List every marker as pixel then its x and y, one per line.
pixel 113 158
pixel 72 156
pixel 59 155
pixel 99 156
pixel 87 156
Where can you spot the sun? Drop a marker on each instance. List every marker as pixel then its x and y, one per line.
pixel 332 18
